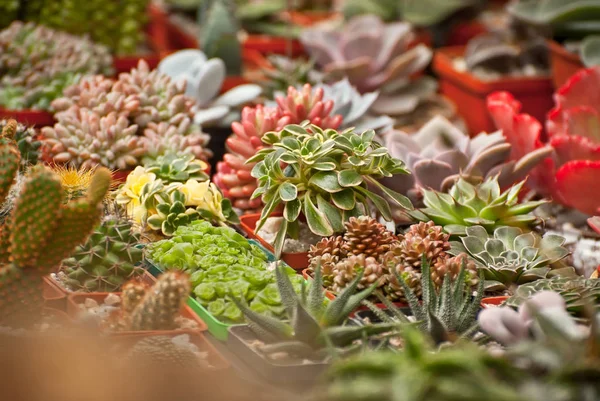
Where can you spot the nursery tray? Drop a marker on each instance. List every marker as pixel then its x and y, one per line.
pixel 35 118
pixel 564 63
pixel 75 299
pixel 215 326
pixel 469 93
pixel 297 261
pixel 214 357
pixel 272 371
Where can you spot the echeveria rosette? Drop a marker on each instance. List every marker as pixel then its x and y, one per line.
pixel 324 174
pixel 571 175
pixel 483 204
pixel 511 256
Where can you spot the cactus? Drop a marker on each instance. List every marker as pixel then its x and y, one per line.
pixel 27 142
pixel 9 158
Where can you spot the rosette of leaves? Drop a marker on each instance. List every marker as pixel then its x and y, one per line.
pixel 171 214
pixel 483 204
pixel 512 257
pixel 325 176
pixel 178 168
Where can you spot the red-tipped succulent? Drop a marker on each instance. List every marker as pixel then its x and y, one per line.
pixel 233 174
pixel 571 175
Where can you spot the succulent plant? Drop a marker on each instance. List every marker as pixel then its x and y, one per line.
pixel 265 17
pixel 283 72
pixel 204 78
pixel 233 173
pixel 27 142
pixel 513 257
pixel 481 204
pixel 313 324
pixel 439 153
pixel 577 292
pixel 570 175
pixel 164 352
pixel 41 230
pixel 325 178
pixel 172 214
pixel 219 34
pixel 38 63
pixel 178 168
pixel 107 260
pixel 116 123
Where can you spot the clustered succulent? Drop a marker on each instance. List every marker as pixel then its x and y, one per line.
pixel 38 63
pixel 325 176
pixel 116 123
pixel 369 249
pixel 233 174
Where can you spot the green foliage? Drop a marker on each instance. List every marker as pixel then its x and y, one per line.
pixel 218 35
pixel 482 204
pixel 172 214
pixel 326 177
pixel 177 168
pixel 221 261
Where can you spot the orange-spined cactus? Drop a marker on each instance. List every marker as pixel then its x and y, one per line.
pixel 233 173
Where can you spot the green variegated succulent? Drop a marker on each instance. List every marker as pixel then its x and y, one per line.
pixel 172 214
pixel 325 176
pixel 482 204
pixel 178 168
pixel 512 257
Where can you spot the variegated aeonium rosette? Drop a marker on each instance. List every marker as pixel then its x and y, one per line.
pixel 323 174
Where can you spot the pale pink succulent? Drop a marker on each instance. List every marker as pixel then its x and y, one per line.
pixel 572 174
pixel 233 173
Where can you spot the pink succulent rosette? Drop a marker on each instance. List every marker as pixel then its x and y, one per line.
pixel 571 175
pixel 233 173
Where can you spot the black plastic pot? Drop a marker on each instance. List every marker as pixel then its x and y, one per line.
pixel 218 136
pixel 239 340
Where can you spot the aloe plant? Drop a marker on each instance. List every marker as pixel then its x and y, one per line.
pixel 326 175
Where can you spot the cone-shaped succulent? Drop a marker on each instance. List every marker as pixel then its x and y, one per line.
pixel 365 235
pixel 483 204
pixel 37 63
pixel 512 257
pixel 313 322
pixel 106 260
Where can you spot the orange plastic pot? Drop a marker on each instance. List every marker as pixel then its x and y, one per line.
pixel 469 93
pixel 54 296
pixel 564 63
pixel 76 299
pixel 297 261
pixel 35 118
pixel 491 302
pixel 216 360
pixel 308 18
pixel 266 45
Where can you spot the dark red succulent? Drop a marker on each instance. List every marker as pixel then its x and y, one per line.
pixel 571 175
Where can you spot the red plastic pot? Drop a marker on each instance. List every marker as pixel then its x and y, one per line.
pixel 491 302
pixel 266 45
pixel 54 296
pixel 157 30
pixel 463 32
pixel 564 63
pixel 308 18
pixel 36 118
pixel 469 93
pixel 297 261
pixel 127 63
pixel 76 299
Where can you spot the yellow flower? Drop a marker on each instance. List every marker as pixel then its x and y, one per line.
pixel 129 194
pixel 204 195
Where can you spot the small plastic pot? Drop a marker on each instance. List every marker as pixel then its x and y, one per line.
pixel 564 63
pixel 127 63
pixel 266 45
pixel 469 93
pixel 157 31
pixel 491 302
pixel 76 299
pixel 51 281
pixel 297 261
pixel 35 118
pixel 274 371
pixel 54 296
pixel 217 361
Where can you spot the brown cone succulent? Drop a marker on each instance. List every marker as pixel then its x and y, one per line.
pixel 326 253
pixel 393 289
pixel 345 271
pixel 423 239
pixel 365 235
pixel 452 266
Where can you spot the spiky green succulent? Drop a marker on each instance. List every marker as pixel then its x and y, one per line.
pixel 445 316
pixel 512 257
pixel 172 214
pixel 576 291
pixel 286 72
pixel 313 323
pixel 107 260
pixel 178 168
pixel 483 204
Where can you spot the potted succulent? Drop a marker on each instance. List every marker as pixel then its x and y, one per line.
pixel 513 60
pixel 569 22
pixel 118 123
pixel 297 350
pixel 376 56
pixel 30 80
pixel 140 307
pixel 569 175
pixel 325 178
pixel 220 261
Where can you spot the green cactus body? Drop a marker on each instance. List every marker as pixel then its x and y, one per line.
pixel 132 294
pixel 19 289
pixel 162 303
pixel 9 158
pixel 107 260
